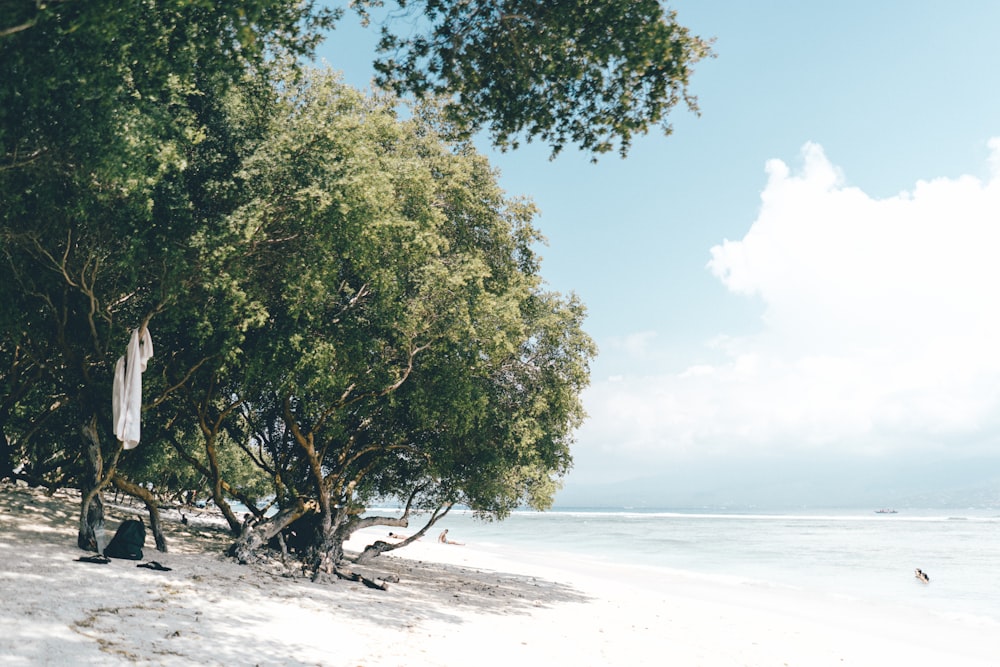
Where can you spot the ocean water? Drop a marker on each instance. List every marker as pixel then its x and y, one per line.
pixel 853 553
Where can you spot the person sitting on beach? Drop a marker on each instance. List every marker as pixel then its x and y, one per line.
pixel 922 576
pixel 443 538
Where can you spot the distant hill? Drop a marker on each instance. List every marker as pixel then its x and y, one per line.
pixel 771 484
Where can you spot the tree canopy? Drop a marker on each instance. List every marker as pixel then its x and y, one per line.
pixel 108 135
pixel 590 73
pixel 345 304
pixel 408 349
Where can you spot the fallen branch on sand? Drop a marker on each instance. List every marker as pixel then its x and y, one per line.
pixel 354 576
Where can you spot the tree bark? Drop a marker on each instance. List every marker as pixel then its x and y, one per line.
pixel 152 506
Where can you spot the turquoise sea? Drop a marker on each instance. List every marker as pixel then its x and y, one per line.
pixel 853 553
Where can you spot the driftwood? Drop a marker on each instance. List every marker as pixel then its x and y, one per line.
pixel 354 576
pixel 374 550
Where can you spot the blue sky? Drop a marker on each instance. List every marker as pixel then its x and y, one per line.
pixel 800 284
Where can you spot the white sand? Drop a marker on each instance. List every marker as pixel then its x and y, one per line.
pixel 454 605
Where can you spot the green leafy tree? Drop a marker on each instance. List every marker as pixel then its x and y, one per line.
pixel 590 73
pixel 102 112
pixel 329 285
pixel 407 349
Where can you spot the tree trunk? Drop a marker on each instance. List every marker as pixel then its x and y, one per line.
pixel 235 524
pixel 255 535
pixel 91 535
pixel 326 547
pixel 190 496
pixel 6 458
pixel 152 506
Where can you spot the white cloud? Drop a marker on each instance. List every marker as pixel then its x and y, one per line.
pixel 881 327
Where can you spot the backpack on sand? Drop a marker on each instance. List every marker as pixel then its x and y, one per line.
pixel 128 541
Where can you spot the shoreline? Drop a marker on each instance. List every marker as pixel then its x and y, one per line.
pixel 453 605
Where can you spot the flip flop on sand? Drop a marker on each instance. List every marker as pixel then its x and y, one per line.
pixel 99 559
pixel 154 565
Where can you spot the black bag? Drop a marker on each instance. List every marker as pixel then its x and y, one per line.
pixel 128 540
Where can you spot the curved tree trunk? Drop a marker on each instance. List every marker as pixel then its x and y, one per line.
pixel 152 506
pixel 91 533
pixel 235 525
pixel 224 487
pixel 325 549
pixel 380 547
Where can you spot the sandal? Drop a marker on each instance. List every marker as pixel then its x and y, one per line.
pixel 155 565
pixel 100 559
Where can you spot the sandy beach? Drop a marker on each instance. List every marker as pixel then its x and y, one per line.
pixel 452 605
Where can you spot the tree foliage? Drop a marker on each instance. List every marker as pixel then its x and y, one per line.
pixel 408 350
pixel 590 73
pixel 105 111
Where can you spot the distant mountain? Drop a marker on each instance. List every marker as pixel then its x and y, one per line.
pixel 776 484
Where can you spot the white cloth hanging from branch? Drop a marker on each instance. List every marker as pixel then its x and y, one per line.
pixel 126 393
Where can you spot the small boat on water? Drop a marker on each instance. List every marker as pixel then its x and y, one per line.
pixel 885 511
